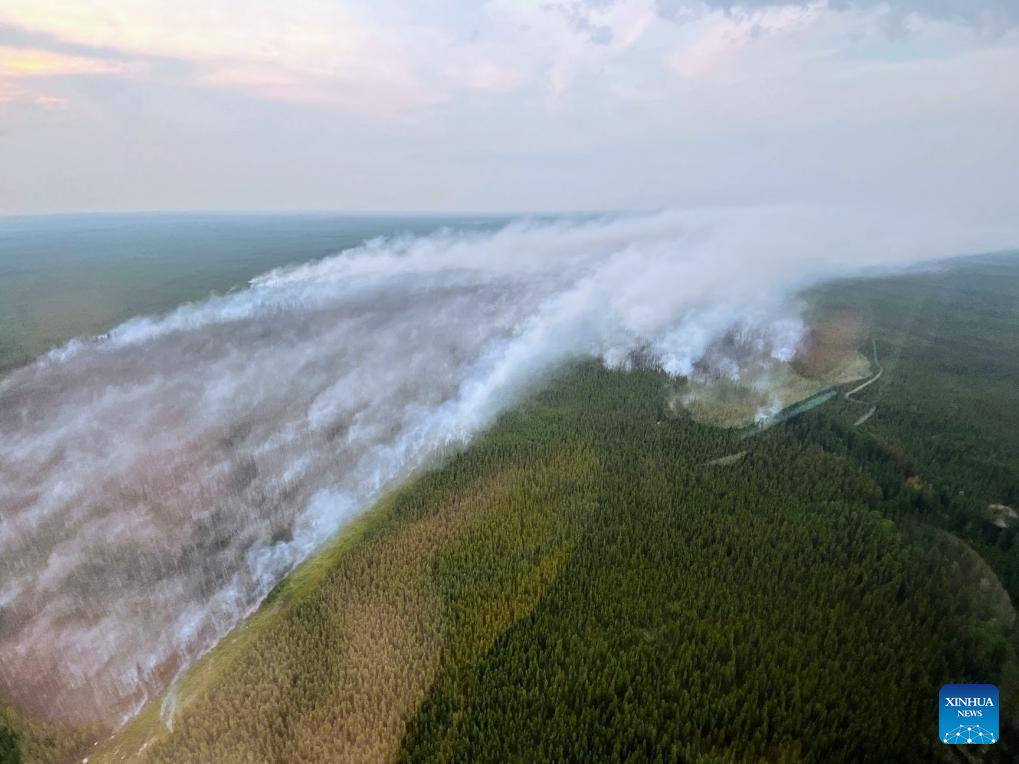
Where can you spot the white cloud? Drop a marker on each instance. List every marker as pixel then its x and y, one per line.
pixel 720 38
pixel 488 104
pixel 378 59
pixel 19 62
pixel 992 16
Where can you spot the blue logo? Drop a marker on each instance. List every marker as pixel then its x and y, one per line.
pixel 968 714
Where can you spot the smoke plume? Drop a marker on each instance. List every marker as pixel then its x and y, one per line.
pixel 157 482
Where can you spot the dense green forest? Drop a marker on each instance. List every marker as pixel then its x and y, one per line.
pixel 947 409
pixel 593 580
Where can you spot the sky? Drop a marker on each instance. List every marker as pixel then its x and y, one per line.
pixel 508 105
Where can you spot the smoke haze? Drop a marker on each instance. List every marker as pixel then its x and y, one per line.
pixel 157 482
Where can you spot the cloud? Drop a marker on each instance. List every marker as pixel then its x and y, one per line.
pixel 566 41
pixel 376 59
pixel 380 59
pixel 22 69
pixel 994 16
pixel 491 104
pixel 21 62
pixel 721 37
pixel 389 60
pixel 10 92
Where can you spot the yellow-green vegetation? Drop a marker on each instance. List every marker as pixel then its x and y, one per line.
pixel 22 739
pixel 336 662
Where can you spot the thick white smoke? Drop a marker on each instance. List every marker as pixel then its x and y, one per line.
pixel 156 483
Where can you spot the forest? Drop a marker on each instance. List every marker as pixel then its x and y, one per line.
pixel 599 577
